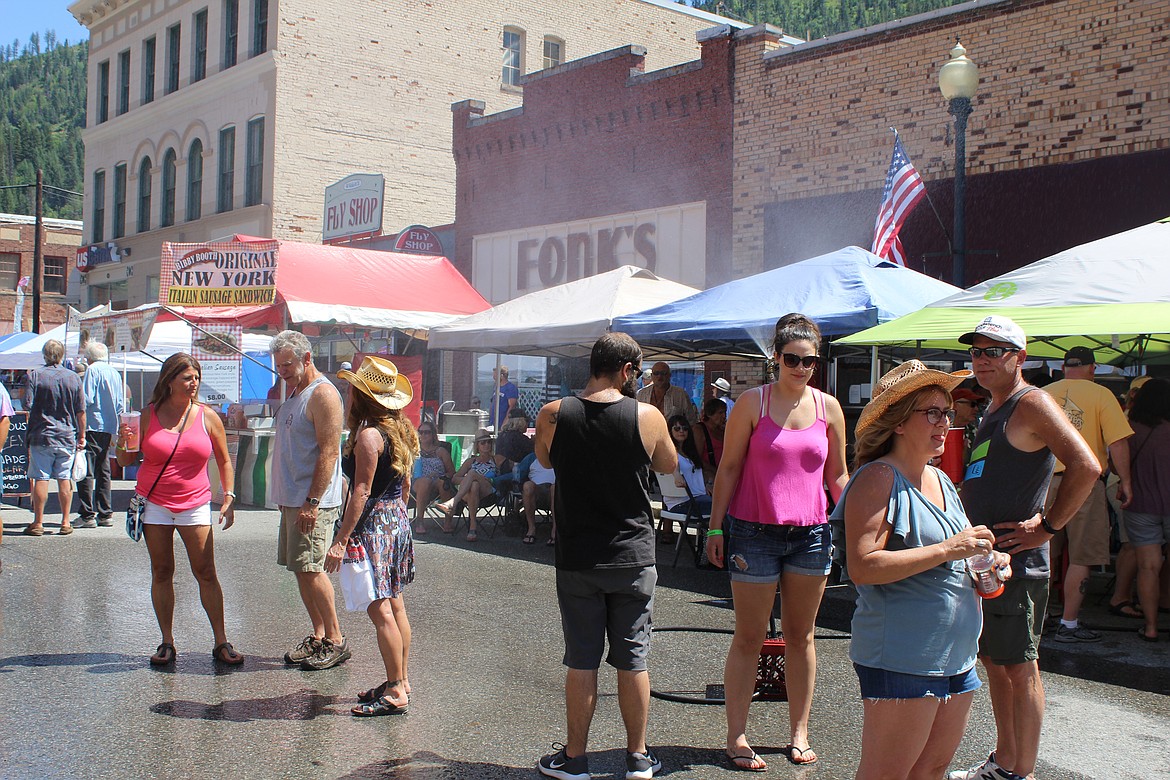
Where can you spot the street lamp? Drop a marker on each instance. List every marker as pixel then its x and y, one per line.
pixel 958 79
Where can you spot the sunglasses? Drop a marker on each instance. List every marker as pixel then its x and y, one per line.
pixel 678 427
pixel 659 373
pixel 792 361
pixel 995 353
pixel 934 415
pixel 1074 363
pixel 484 441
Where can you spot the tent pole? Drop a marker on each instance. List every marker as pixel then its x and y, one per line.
pixel 875 367
pixel 217 338
pixel 494 409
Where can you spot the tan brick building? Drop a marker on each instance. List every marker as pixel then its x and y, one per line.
pixel 214 117
pixel 60 239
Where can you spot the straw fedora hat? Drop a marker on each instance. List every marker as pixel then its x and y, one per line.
pixel 483 434
pixel 900 382
pixel 379 379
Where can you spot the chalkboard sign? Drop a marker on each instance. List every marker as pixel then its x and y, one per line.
pixel 15 454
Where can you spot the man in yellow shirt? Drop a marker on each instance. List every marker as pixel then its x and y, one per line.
pixel 1095 412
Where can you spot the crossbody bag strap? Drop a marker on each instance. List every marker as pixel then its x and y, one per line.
pixel 176 449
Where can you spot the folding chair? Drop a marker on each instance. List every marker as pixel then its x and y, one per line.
pixel 692 518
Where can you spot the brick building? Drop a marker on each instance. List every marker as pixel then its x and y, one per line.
pixel 207 119
pixel 60 239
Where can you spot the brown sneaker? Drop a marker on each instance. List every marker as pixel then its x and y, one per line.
pixel 328 655
pixel 306 649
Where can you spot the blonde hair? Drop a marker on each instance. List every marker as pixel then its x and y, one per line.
pixel 877 440
pixel 365 412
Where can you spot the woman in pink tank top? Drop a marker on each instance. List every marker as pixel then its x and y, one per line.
pixel 783 447
pixel 178 436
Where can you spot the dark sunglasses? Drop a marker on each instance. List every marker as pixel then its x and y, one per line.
pixel 792 361
pixel 677 427
pixel 659 373
pixel 934 415
pixel 1074 364
pixel 426 430
pixel 995 353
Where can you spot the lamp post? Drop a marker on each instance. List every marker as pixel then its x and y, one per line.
pixel 959 79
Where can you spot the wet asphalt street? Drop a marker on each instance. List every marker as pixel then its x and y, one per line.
pixel 78 699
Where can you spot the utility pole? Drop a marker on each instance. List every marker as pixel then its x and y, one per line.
pixel 36 274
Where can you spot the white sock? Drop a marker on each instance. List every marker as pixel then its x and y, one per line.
pixel 1070 624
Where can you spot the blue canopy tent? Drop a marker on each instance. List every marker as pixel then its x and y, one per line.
pixel 843 292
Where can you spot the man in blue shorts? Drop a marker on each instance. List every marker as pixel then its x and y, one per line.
pixel 56 434
pixel 601 445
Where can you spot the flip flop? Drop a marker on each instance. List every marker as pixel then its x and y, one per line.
pixel 1125 609
pixel 164 655
pixel 551 543
pixel 751 766
pixel 472 536
pixel 30 531
pixel 798 756
pixel 381 706
pixel 226 654
pixel 529 539
pixel 1141 632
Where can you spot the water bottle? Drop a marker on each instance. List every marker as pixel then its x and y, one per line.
pixel 987 581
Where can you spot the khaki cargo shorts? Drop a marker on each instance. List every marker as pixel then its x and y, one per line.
pixel 300 552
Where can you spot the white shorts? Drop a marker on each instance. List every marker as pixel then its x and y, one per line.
pixel 160 515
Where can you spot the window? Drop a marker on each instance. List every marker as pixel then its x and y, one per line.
pixel 199 51
pixel 148 51
pixel 119 200
pixel 254 174
pixel 174 38
pixel 103 112
pixel 231 32
pixel 195 181
pixel 169 173
pixel 144 195
pixel 53 275
pixel 259 27
pixel 513 57
pixel 97 230
pixel 9 270
pixel 123 82
pixel 227 169
pixel 554 52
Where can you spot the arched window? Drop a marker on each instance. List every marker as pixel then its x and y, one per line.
pixel 513 64
pixel 169 174
pixel 144 195
pixel 195 181
pixel 554 51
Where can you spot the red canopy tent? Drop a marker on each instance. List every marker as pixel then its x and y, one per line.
pixel 360 287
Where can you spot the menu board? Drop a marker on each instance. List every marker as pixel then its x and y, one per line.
pixel 15 454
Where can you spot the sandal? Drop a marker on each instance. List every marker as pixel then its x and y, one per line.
pixel 373 694
pixel 164 655
pixel 529 539
pixel 472 536
pixel 31 531
pixel 798 756
pixel 226 654
pixel 381 706
pixel 754 762
pixel 420 529
pixel 1141 632
pixel 1126 609
pixel 551 542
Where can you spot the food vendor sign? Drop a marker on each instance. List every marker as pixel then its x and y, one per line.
pixel 217 348
pixel 124 331
pixel 227 273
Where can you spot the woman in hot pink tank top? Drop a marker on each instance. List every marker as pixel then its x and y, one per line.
pixel 783 447
pixel 178 436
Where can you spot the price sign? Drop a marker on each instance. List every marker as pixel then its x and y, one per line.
pixel 15 455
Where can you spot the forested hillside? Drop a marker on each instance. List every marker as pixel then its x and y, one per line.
pixel 810 19
pixel 42 113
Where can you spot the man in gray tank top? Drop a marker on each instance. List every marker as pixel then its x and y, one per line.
pixel 306 485
pixel 1007 477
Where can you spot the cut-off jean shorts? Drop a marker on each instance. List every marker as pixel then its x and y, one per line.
pixel 761 552
pixel 883 684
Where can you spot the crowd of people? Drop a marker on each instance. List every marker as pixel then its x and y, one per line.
pixel 948 572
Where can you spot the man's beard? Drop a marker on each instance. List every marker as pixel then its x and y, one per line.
pixel 630 388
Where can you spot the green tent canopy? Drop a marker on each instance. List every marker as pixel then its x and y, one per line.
pixel 1112 295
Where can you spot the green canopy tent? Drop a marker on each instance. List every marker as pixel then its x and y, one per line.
pixel 1112 295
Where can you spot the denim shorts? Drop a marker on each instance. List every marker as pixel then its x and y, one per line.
pixel 883 684
pixel 50 462
pixel 761 552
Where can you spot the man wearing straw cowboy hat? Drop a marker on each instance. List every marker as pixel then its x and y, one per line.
pixel 306 485
pixel 1007 477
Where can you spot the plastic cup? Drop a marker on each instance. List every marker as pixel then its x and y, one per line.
pixel 131 420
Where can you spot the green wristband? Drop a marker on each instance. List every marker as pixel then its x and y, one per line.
pixel 715 532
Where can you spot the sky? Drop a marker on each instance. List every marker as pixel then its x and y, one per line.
pixel 20 18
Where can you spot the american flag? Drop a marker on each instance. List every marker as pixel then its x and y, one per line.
pixel 903 190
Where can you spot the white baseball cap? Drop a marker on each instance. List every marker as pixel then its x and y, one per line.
pixel 998 329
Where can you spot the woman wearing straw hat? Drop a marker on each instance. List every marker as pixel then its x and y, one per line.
pixel 918 618
pixel 377 460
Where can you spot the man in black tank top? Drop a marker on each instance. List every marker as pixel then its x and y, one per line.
pixel 1010 468
pixel 601 445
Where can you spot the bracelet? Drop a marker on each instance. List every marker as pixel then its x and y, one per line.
pixel 229 493
pixel 715 532
pixel 1047 526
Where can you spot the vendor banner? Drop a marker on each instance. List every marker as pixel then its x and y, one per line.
pixel 224 273
pixel 126 331
pixel 217 348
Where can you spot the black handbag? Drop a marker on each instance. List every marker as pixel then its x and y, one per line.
pixel 137 506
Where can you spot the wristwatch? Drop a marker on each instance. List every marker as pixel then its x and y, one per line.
pixel 313 502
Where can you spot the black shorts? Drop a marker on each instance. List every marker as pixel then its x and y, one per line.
pixel 600 603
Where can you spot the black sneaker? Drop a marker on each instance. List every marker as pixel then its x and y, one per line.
pixel 559 765
pixel 328 655
pixel 642 766
pixel 302 652
pixel 85 522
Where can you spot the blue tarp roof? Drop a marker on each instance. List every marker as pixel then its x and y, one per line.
pixel 843 292
pixel 16 339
